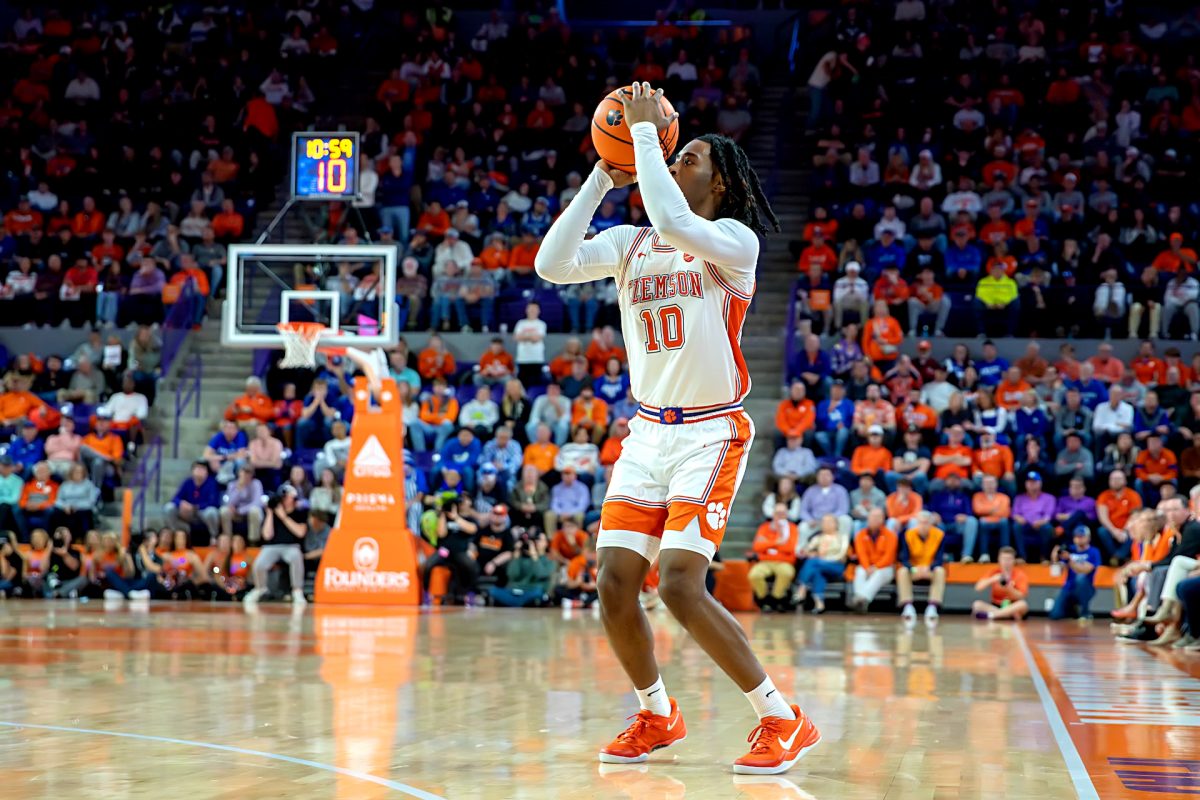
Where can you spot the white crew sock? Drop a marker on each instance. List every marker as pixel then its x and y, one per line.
pixel 768 701
pixel 654 698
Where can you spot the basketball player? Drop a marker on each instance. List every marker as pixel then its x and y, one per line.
pixel 684 287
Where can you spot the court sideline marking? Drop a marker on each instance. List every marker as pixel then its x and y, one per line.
pixel 1079 774
pixel 404 788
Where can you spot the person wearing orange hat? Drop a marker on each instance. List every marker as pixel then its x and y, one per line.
pixel 1176 258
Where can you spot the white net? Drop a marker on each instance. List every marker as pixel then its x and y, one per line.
pixel 300 343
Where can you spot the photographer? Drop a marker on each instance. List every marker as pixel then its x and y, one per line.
pixel 494 546
pixel 530 574
pixel 66 577
pixel 1009 586
pixel 455 534
pixel 1082 560
pixel 283 531
pixel 580 589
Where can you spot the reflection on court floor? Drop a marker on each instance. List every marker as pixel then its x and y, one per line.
pixel 205 701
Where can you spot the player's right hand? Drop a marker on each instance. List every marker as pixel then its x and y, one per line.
pixel 620 178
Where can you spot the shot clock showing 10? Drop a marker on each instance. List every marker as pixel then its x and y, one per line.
pixel 324 166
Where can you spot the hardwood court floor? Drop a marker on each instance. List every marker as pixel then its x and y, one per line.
pixel 199 701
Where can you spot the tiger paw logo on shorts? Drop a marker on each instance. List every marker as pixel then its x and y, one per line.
pixel 670 417
pixel 716 516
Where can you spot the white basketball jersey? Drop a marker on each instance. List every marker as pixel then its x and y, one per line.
pixel 684 286
pixel 682 324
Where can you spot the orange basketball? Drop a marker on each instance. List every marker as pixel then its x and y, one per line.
pixel 610 134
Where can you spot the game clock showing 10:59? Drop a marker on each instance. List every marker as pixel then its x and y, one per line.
pixel 324 166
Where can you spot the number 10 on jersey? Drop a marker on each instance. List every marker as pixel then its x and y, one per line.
pixel 664 329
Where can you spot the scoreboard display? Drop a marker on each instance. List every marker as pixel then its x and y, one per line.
pixel 324 166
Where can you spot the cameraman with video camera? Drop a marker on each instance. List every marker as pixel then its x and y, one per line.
pixel 455 549
pixel 283 532
pixel 530 573
pixel 1082 560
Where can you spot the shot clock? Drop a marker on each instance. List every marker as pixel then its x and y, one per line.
pixel 324 166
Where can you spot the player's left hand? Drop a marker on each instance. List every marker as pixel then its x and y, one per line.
pixel 645 105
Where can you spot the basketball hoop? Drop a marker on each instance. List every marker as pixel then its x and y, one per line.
pixel 300 340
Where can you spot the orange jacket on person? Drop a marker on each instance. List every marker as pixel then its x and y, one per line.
pixel 17 405
pixel 610 451
pixel 1008 394
pixel 85 225
pixel 20 222
pixel 520 258
pixel 795 419
pixel 436 409
pixel 228 225
pixel 878 552
pixel 769 547
pixel 111 446
pixel 46 490
pixel 1120 505
pixel 261 116
pixel 589 415
pixel 997 508
pixel 822 256
pixel 598 355
pixel 495 256
pixel 434 224
pixel 903 509
pixel 568 547
pixel 112 251
pixel 488 359
pixel 430 367
pixel 1166 465
pixel 541 456
pixel 996 460
pixel 1169 261
pixel 560 366
pixel 923 552
pixel 247 407
pixel 943 471
pixel 870 459
pixel 1154 550
pixel 885 329
pixel 174 286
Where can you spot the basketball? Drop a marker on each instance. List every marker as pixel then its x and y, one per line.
pixel 611 137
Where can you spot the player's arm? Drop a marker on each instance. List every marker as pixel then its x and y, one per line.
pixel 726 243
pixel 564 256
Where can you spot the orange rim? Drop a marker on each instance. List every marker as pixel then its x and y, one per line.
pixel 310 331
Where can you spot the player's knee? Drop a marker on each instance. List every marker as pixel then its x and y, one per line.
pixel 617 589
pixel 680 589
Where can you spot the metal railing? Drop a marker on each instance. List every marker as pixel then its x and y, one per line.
pixel 178 323
pixel 149 472
pixel 187 391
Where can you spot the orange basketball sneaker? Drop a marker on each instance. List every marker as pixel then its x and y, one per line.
pixel 778 743
pixel 647 733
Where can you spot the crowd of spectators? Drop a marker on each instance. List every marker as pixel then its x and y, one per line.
pixel 1044 191
pixel 904 465
pixel 137 146
pixel 70 424
pixel 495 451
pixel 145 142
pixel 473 144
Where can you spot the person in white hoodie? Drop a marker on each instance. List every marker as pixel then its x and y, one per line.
pixel 480 414
pixel 1182 294
pixel 850 293
pixel 1110 302
pixel 453 249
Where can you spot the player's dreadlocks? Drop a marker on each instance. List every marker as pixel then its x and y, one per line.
pixel 744 199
